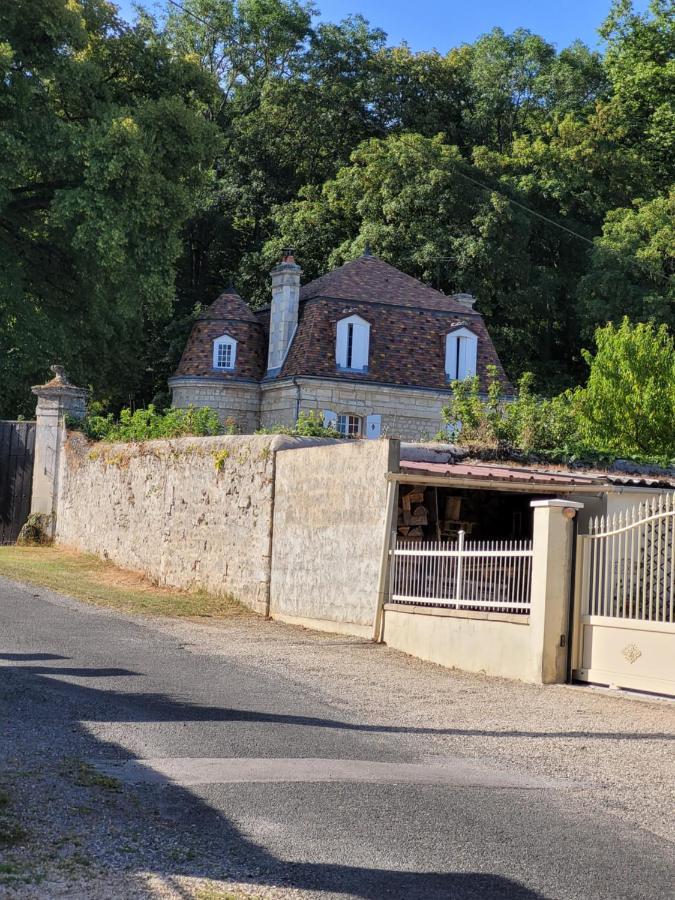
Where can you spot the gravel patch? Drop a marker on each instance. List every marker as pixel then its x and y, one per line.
pixel 619 745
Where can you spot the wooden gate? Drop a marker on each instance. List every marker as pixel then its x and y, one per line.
pixel 17 444
pixel 624 630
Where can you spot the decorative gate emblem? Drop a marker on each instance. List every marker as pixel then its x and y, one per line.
pixel 632 653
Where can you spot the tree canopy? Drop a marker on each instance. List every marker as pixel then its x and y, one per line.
pixel 141 166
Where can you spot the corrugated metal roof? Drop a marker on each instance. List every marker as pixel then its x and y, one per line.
pixel 496 473
pixel 525 475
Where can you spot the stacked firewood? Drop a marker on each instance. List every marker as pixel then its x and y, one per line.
pixel 412 514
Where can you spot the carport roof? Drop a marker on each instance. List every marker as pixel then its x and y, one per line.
pixel 538 478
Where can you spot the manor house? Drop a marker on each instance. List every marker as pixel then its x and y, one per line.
pixel 369 348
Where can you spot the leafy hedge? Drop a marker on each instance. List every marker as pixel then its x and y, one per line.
pixel 146 424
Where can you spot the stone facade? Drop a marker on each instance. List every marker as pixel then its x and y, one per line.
pixel 411 414
pixel 237 400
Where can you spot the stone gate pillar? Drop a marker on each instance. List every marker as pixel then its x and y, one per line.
pixel 56 399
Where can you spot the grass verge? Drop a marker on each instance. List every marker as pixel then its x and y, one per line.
pixel 11 832
pixel 103 584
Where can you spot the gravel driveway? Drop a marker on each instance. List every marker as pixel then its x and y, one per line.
pixel 82 688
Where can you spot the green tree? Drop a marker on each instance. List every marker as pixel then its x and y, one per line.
pixel 640 63
pixel 625 409
pixel 628 404
pixel 101 150
pixel 407 196
pixel 633 266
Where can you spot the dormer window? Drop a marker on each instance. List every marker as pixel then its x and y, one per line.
pixel 352 344
pixel 224 352
pixel 461 353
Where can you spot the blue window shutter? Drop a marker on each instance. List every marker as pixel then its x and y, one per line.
pixel 373 426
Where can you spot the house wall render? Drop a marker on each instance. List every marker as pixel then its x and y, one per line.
pixel 407 413
pixel 329 525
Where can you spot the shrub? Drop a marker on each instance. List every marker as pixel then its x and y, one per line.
pixel 625 409
pixel 309 424
pixel 146 424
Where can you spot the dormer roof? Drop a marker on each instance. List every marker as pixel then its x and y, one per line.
pixel 228 314
pixel 229 305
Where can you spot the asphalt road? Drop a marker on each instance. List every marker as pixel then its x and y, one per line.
pixel 255 774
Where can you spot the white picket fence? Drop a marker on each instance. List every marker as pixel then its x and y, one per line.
pixel 492 576
pixel 629 563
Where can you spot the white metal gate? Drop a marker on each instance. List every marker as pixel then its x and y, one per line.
pixel 488 576
pixel 624 631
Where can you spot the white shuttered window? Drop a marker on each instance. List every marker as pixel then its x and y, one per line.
pixel 352 343
pixel 461 354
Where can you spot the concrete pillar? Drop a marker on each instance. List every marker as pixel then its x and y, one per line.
pixel 284 310
pixel 56 399
pixel 551 582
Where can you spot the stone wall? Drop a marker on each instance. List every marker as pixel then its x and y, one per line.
pixel 191 512
pixel 329 530
pixel 407 413
pixel 232 399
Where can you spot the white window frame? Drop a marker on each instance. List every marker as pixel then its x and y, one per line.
pixel 224 341
pixel 349 425
pixel 352 344
pixel 461 354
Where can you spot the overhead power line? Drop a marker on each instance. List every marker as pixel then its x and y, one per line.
pixel 533 212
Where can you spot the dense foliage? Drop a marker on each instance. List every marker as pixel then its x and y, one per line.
pixel 147 424
pixel 625 409
pixel 141 166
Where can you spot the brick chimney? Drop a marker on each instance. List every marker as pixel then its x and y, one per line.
pixel 284 312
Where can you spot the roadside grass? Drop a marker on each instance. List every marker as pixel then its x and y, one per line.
pixel 103 584
pixel 11 832
pixel 85 775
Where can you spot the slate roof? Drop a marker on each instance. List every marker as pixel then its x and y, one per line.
pixel 409 322
pixel 228 314
pixel 368 278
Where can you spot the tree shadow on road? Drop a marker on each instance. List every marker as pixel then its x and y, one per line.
pixel 213 846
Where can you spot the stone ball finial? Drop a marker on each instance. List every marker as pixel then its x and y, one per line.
pixel 59 374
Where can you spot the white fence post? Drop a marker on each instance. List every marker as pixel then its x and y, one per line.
pixel 460 565
pixel 551 581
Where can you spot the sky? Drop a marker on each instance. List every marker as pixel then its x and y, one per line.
pixel 442 24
